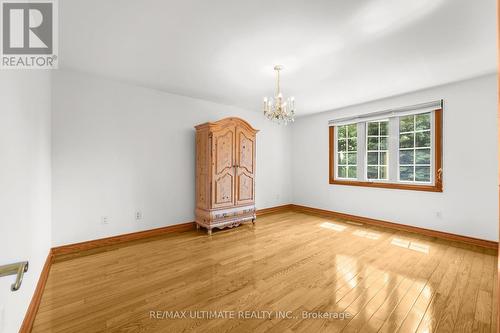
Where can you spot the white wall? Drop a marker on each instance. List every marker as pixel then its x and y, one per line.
pixel 25 228
pixel 118 148
pixel 469 203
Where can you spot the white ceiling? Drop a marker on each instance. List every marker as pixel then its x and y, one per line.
pixel 335 52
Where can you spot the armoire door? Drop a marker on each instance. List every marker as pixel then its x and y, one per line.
pixel 223 145
pixel 245 166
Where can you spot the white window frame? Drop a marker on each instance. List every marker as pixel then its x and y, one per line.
pixel 378 151
pixel 392 152
pixel 432 148
pixel 347 152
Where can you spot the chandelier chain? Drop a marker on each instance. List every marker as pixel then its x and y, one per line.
pixel 278 91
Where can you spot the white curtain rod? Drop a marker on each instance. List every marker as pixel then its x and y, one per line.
pixel 434 105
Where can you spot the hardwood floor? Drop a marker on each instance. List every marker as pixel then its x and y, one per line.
pixel 386 280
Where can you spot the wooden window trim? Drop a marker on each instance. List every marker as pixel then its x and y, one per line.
pixel 438 171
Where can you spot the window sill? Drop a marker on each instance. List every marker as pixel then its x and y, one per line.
pixel 428 188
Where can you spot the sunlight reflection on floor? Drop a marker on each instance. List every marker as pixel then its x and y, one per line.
pixel 333 226
pixel 423 248
pixel 366 234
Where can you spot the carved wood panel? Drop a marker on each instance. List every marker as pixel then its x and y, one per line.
pixel 202 152
pixel 245 162
pixel 223 171
pixel 246 148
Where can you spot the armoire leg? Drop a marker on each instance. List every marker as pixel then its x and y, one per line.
pixel 253 221
pixel 197 226
pixel 209 232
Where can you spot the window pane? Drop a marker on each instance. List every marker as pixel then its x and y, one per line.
pixel 341 145
pixel 347 147
pixel 383 158
pixel 413 160
pixel 352 130
pixel 383 172
pixel 373 128
pixel 423 156
pixel 342 132
pixel 342 171
pixel 422 174
pixel 383 143
pixel 376 144
pixel 372 172
pixel 406 140
pixel 384 128
pixel 372 158
pixel 352 172
pixel 351 144
pixel 341 159
pixel 372 143
pixel 351 158
pixel 406 173
pixel 406 156
pixel 423 139
pixel 423 121
pixel 406 124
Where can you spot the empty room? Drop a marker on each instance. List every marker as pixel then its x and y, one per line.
pixel 249 166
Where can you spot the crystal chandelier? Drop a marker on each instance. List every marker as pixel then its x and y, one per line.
pixel 277 109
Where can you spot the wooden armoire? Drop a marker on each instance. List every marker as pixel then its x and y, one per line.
pixel 225 173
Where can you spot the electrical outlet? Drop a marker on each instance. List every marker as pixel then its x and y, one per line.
pixel 138 215
pixel 439 214
pixel 104 219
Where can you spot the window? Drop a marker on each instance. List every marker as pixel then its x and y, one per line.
pixel 415 148
pixel 347 146
pixel 401 151
pixel 377 137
